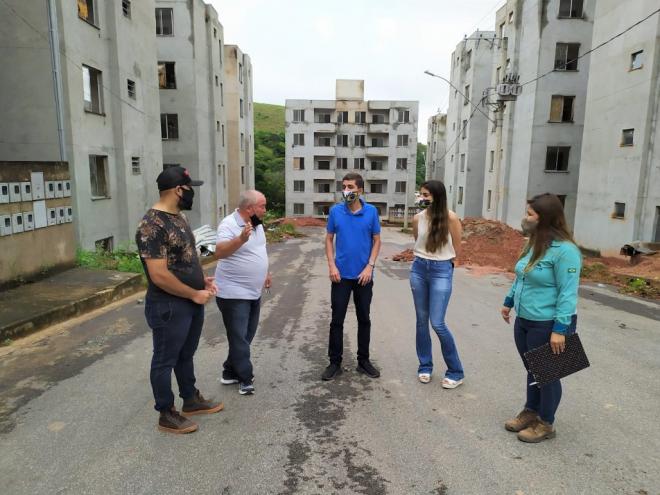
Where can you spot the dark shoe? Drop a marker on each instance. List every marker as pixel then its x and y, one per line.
pixel 525 418
pixel 368 369
pixel 228 378
pixel 172 422
pixel 199 405
pixel 331 372
pixel 537 432
pixel 245 388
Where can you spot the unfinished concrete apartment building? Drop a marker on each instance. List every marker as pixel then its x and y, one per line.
pixel 537 148
pixel 435 148
pixel 325 139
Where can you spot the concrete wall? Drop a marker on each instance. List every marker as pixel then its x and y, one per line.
pixel 436 146
pixel 197 49
pixel 28 253
pixel 471 143
pixel 387 154
pixel 620 98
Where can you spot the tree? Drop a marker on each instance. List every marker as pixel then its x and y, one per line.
pixel 269 168
pixel 421 164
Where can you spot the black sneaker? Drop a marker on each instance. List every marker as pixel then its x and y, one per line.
pixel 368 369
pixel 331 372
pixel 245 388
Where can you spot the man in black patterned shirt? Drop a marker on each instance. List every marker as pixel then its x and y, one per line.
pixel 176 295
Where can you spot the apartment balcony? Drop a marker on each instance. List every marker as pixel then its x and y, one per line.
pixel 378 128
pixel 376 175
pixel 378 151
pixel 324 174
pixel 324 197
pixel 324 150
pixel 327 127
pixel 376 197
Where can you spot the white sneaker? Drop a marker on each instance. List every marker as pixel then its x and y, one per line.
pixel 449 383
pixel 424 377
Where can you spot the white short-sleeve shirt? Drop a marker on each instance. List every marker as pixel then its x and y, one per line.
pixel 241 275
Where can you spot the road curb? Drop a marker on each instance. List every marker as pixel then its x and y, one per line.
pixel 72 309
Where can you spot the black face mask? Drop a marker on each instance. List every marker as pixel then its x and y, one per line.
pixel 186 201
pixel 255 220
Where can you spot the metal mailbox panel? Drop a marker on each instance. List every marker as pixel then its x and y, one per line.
pixel 52 216
pixel 40 214
pixel 61 218
pixel 28 221
pixel 14 192
pixel 5 225
pixel 38 187
pixel 50 189
pixel 26 191
pixel 59 189
pixel 17 223
pixel 68 215
pixel 4 192
pixel 67 188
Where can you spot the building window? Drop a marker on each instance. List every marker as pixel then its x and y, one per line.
pixel 217 126
pixel 92 89
pixel 402 164
pixel 215 33
pixel 222 95
pixel 342 117
pixel 131 88
pixel 299 186
pixel 242 142
pixel 164 24
pixel 467 60
pixel 126 8
pixel 637 60
pixel 466 99
pixel 360 117
pixel 166 75
pixel 510 17
pixel 240 73
pixel 491 167
pixel 452 158
pixel 243 175
pixel 434 146
pixel 566 55
pixel 400 186
pixel 561 108
pixel 98 176
pixel 460 195
pixel 298 115
pixel 87 12
pixel 299 139
pixel 570 8
pixel 223 134
pixel 358 163
pixel 377 165
pixel 342 163
pixel 404 116
pixel 378 118
pixel 462 162
pixel 376 188
pixel 490 197
pixel 323 165
pixel 556 158
pixel 298 208
pixel 299 163
pixel 322 187
pixel 220 49
pixel 342 140
pixel 464 130
pixel 169 126
pixel 359 140
pixel 497 75
pixel 135 165
pixel 323 141
pixel 240 107
pixel 619 210
pixel 402 140
pixel 627 137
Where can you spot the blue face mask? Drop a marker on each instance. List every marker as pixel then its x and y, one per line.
pixel 424 204
pixel 349 196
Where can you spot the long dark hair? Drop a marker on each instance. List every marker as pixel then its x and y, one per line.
pixel 438 216
pixel 551 227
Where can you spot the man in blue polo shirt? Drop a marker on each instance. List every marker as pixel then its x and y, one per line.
pixel 351 265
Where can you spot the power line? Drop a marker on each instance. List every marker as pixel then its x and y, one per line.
pixel 459 92
pixel 460 133
pixel 593 49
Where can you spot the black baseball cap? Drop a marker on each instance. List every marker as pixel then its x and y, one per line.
pixel 172 177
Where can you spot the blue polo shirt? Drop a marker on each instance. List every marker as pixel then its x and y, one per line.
pixel 353 237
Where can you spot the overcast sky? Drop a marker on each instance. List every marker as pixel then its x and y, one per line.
pixel 299 47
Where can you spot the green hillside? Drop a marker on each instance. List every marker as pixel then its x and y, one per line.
pixel 268 118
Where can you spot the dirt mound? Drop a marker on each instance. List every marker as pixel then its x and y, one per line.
pixel 490 243
pixel 406 255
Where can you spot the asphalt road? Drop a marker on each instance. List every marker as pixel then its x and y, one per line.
pixel 76 411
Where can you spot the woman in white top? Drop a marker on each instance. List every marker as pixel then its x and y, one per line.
pixel 437 233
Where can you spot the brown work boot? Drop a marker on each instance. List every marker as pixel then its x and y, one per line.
pixel 199 405
pixel 172 422
pixel 537 432
pixel 525 418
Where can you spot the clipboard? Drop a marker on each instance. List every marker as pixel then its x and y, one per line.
pixel 546 367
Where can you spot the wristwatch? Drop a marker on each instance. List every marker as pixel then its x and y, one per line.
pixel 372 265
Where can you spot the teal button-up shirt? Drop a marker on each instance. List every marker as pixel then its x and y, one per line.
pixel 548 291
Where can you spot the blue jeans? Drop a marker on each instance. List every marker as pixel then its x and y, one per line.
pixel 529 335
pixel 430 282
pixel 177 325
pixel 241 317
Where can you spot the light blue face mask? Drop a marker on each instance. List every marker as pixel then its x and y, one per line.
pixel 349 196
pixel 424 204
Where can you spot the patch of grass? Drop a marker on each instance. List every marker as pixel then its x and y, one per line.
pixel 594 269
pixel 6 342
pixel 268 118
pixel 280 232
pixel 122 260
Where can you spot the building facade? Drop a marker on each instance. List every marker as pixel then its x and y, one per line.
pixel 619 187
pixel 83 92
pixel 435 148
pixel 326 139
pixel 240 123
pixel 467 127
pixel 537 146
pixel 193 103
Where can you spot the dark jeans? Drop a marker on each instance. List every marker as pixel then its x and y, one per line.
pixel 177 326
pixel 340 295
pixel 529 335
pixel 240 317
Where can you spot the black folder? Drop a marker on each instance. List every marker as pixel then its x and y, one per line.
pixel 547 367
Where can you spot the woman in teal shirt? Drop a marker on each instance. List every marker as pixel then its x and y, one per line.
pixel 544 295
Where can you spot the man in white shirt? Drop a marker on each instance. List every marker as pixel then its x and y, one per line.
pixel 240 278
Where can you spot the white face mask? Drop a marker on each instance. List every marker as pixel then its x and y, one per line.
pixel 349 196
